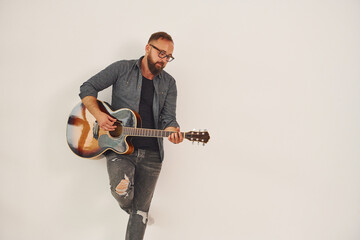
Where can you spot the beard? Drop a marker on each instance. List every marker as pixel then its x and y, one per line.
pixel 155 67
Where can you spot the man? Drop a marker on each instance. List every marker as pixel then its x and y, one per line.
pixel 143 86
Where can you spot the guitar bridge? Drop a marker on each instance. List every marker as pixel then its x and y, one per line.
pixel 96 129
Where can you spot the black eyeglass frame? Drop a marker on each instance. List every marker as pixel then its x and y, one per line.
pixel 169 58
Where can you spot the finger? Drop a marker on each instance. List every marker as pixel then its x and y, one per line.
pixel 181 137
pixel 106 128
pixel 111 118
pixel 177 135
pixel 171 138
pixel 109 126
pixel 176 138
pixel 109 122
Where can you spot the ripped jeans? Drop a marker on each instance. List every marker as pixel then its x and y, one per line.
pixel 132 182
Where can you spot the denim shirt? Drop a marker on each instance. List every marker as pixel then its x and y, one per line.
pixel 125 77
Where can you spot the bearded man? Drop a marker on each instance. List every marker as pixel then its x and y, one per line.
pixel 143 86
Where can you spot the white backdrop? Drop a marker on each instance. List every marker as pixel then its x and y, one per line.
pixel 276 83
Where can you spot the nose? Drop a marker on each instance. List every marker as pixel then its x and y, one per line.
pixel 164 59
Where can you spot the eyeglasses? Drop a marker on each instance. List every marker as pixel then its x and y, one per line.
pixel 162 54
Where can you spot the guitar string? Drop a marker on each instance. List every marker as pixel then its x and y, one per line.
pixel 145 132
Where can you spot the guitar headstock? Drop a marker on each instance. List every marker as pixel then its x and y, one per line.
pixel 198 136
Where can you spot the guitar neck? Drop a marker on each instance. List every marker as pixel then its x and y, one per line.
pixel 145 132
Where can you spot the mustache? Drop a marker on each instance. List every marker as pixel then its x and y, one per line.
pixel 161 63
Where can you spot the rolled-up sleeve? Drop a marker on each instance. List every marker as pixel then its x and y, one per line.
pixel 100 81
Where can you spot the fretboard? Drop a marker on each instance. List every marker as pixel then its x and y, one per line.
pixel 145 132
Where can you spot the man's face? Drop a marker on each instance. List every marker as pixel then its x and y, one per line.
pixel 155 63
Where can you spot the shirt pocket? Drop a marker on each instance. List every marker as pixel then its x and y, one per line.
pixel 125 88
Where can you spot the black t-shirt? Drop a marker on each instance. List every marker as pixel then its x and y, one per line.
pixel 147 116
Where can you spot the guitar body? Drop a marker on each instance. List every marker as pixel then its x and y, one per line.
pixel 87 140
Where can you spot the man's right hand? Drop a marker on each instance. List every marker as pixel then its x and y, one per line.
pixel 105 121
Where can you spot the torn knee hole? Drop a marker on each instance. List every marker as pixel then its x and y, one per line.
pixel 123 186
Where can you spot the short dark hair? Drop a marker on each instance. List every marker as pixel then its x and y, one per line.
pixel 158 35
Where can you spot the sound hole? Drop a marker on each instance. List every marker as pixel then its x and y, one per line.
pixel 118 131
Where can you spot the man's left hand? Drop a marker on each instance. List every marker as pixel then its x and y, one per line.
pixel 175 137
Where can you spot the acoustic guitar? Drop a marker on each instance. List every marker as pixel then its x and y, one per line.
pixel 86 139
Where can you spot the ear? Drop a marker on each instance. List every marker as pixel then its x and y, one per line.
pixel 147 48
